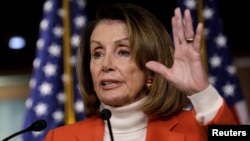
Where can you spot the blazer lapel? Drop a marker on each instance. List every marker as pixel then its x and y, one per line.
pixel 92 130
pixel 161 130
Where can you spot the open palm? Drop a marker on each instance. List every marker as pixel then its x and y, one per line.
pixel 187 72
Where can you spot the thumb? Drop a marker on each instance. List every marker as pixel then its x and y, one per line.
pixel 158 68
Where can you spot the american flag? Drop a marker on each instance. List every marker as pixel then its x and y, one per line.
pixel 47 92
pixel 221 70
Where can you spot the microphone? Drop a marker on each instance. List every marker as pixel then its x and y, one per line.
pixel 105 115
pixel 38 125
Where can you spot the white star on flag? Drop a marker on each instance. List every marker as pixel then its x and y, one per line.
pixel 45 88
pixel 215 61
pixel 228 89
pixel 221 41
pixel 55 50
pixel 41 109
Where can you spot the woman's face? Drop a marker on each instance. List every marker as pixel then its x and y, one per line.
pixel 116 77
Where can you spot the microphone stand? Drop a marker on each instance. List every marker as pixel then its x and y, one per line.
pixel 110 130
pixel 15 134
pixel 105 115
pixel 38 125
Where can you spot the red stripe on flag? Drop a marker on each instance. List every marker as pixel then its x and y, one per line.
pixel 232 108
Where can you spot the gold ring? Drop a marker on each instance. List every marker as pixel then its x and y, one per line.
pixel 190 40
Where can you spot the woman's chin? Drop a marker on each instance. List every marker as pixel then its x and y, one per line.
pixel 114 102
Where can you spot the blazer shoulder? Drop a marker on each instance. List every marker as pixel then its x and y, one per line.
pixel 82 125
pixel 81 130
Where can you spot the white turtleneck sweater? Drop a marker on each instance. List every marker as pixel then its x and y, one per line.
pixel 130 124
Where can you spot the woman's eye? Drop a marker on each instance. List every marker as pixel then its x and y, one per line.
pixel 97 54
pixel 124 53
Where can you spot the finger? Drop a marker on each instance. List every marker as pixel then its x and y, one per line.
pixel 179 24
pixel 174 30
pixel 189 31
pixel 198 37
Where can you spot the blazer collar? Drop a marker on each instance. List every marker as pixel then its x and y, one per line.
pixel 159 129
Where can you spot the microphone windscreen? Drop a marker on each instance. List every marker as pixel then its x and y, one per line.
pixel 105 114
pixel 38 125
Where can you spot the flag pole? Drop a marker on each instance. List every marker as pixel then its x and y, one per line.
pixel 203 40
pixel 68 82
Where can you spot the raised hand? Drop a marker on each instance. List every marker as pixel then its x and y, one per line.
pixel 187 72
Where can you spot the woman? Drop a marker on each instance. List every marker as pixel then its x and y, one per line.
pixel 127 64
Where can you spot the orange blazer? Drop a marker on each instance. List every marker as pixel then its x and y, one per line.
pixel 180 127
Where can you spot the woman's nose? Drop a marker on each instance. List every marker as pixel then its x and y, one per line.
pixel 107 64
